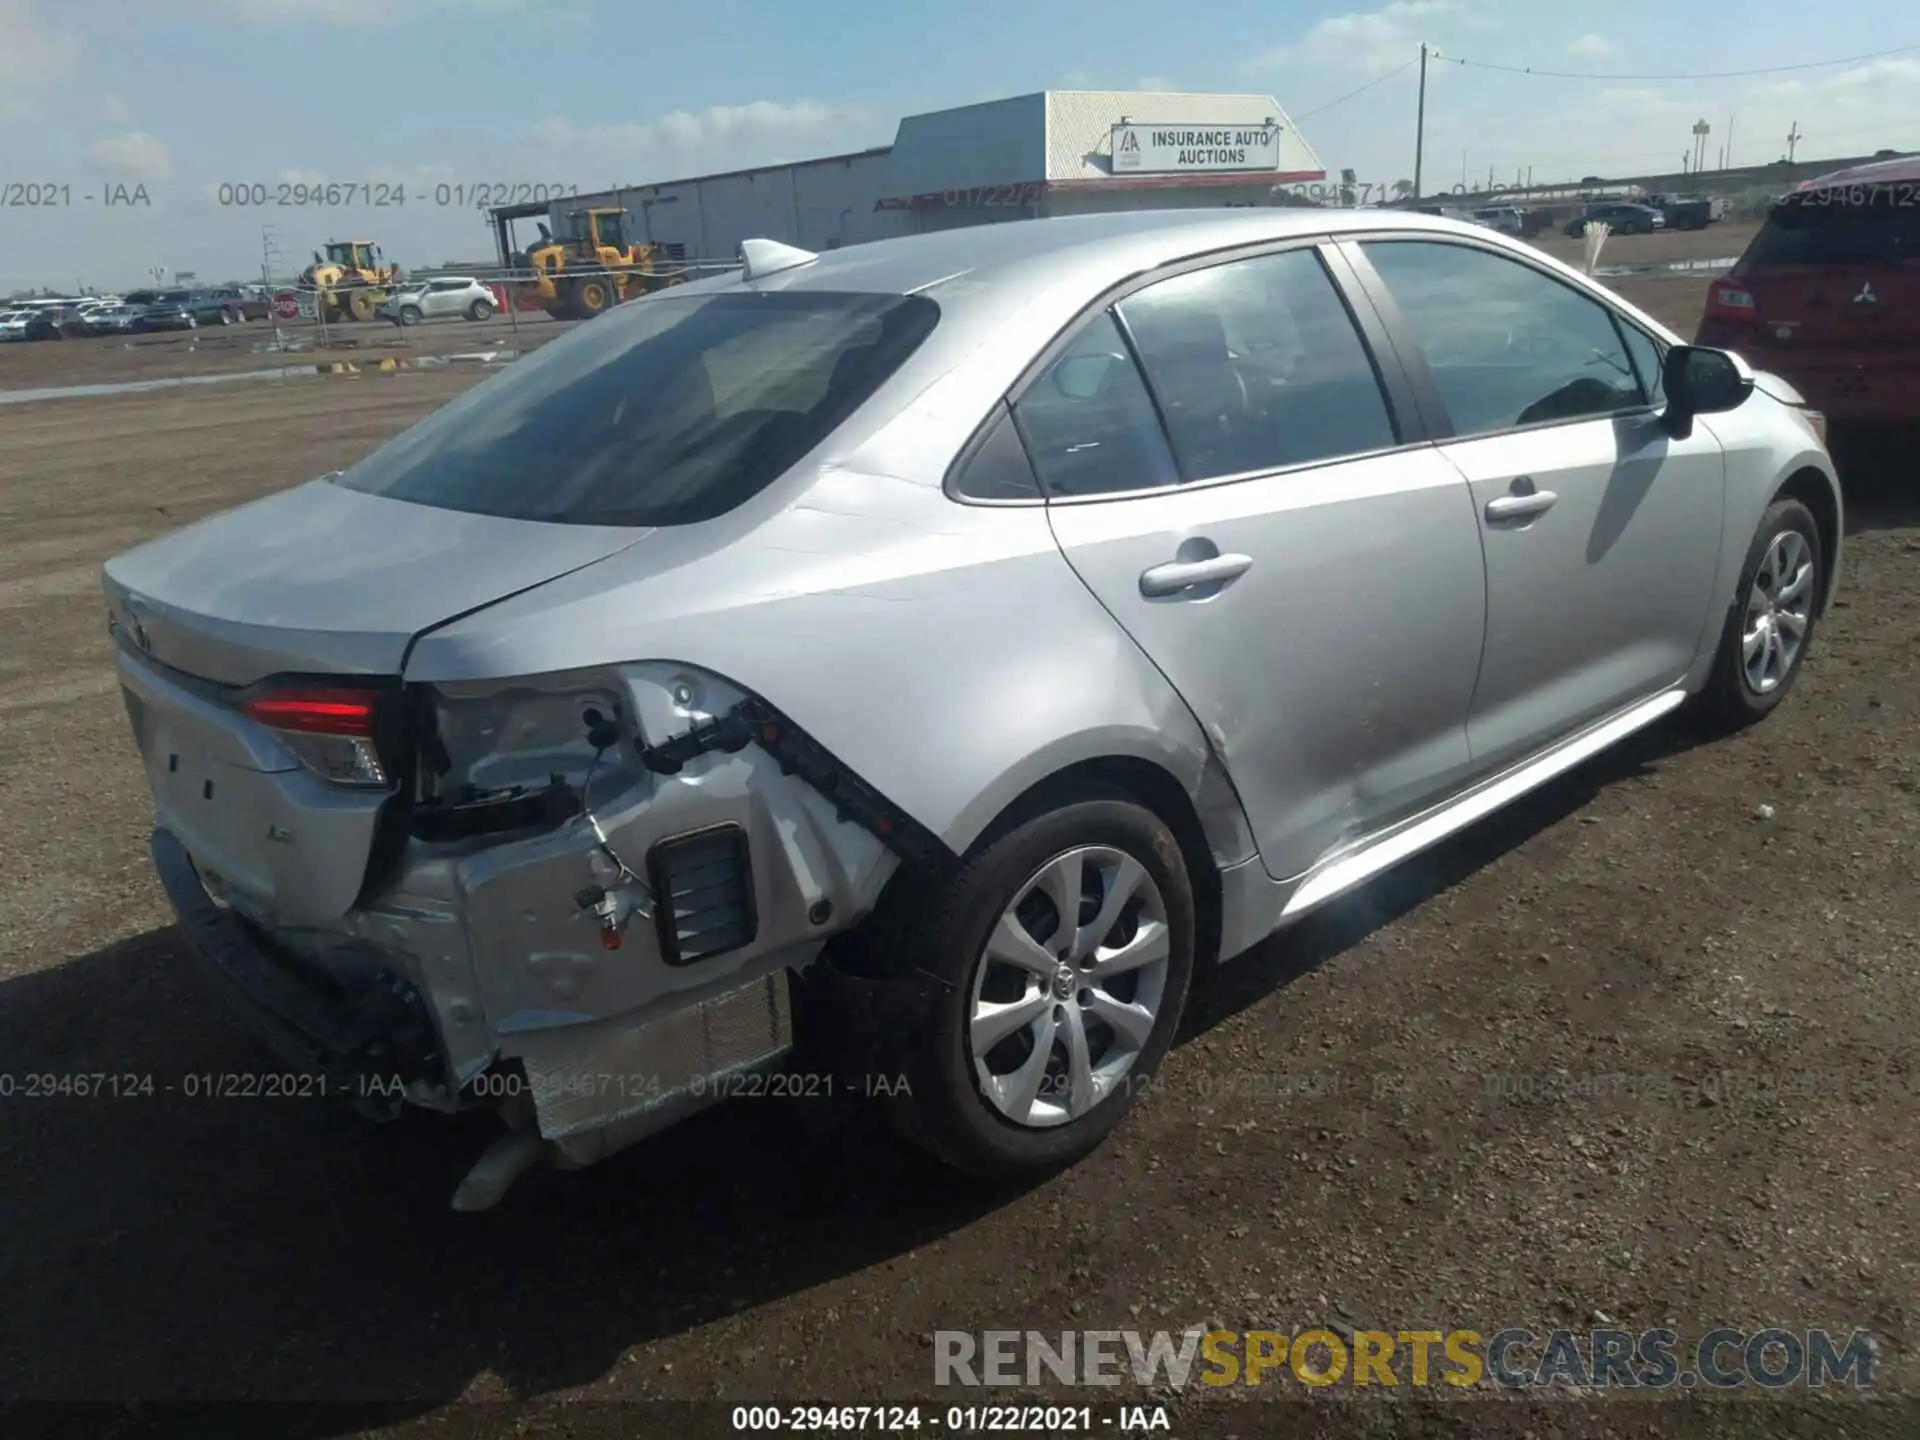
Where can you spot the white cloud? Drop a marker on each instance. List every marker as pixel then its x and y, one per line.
pixel 308 178
pixel 133 156
pixel 761 132
pixel 115 110
pixel 1636 129
pixel 1593 47
pixel 34 55
pixel 1371 40
pixel 1156 83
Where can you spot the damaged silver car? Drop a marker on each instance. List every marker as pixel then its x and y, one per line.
pixel 916 658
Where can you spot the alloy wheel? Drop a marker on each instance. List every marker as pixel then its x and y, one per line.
pixel 1779 610
pixel 1068 988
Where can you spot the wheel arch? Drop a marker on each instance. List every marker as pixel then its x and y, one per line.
pixel 1817 491
pixel 1207 841
pixel 1156 789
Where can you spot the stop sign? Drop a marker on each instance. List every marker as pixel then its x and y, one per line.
pixel 286 305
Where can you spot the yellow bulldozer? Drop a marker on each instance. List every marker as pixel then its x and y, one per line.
pixel 350 280
pixel 593 265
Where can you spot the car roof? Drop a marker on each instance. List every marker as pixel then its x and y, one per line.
pixel 1884 172
pixel 1088 252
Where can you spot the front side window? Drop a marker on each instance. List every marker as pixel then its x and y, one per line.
pixel 1649 360
pixel 1088 421
pixel 668 411
pixel 1507 344
pixel 1257 365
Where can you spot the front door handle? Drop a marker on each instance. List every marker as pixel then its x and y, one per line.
pixel 1521 507
pixel 1178 575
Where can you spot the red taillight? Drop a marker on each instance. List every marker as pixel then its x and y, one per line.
pixel 1728 299
pixel 315 712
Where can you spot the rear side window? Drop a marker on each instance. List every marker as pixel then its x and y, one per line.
pixel 1258 366
pixel 1829 231
pixel 1090 425
pixel 665 412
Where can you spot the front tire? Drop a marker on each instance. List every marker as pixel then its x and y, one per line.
pixel 1040 1036
pixel 1771 621
pixel 410 315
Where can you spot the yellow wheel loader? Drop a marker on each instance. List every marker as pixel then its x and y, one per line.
pixel 350 280
pixel 594 265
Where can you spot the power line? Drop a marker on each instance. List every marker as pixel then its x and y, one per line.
pixel 1703 75
pixel 1377 80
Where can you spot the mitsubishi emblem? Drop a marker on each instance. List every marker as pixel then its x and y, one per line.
pixel 1866 295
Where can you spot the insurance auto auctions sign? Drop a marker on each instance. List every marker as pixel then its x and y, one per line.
pixel 1173 149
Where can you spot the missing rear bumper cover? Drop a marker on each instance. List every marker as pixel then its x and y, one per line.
pixel 703 893
pixel 754 722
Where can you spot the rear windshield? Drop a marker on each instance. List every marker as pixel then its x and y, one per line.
pixel 1828 231
pixel 664 412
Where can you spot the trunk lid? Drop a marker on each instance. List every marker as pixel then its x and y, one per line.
pixel 329 581
pixel 317 581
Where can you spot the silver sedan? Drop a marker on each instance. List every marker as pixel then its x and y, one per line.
pixel 894 670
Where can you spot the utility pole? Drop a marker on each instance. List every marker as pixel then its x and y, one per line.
pixel 1729 142
pixel 1420 123
pixel 1794 137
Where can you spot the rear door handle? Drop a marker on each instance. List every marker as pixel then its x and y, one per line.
pixel 1521 507
pixel 1178 575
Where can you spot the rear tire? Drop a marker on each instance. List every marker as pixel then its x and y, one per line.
pixel 479 310
pixel 1118 1021
pixel 1760 653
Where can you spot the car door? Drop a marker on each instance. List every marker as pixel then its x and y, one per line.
pixel 1601 530
pixel 1247 491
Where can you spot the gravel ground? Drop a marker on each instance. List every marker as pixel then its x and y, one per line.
pixel 103 359
pixel 1629 1049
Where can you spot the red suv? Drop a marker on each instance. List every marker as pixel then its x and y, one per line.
pixel 1827 295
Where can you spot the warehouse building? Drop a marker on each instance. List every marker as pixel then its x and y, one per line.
pixel 1058 152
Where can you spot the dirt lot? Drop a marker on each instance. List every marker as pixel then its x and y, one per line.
pixel 103 359
pixel 1628 1051
pixel 1722 241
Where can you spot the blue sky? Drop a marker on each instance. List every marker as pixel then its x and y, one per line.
pixel 182 95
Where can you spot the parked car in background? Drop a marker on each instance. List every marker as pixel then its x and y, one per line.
pixel 1827 294
pixel 443 296
pixel 34 324
pixel 1503 218
pixel 1683 212
pixel 111 319
pixel 227 305
pixel 880 653
pixel 167 310
pixel 1621 217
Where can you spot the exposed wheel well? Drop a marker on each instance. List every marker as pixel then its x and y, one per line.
pixel 1156 789
pixel 1810 488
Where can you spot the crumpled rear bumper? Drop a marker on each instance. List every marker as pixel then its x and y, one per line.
pixel 362 1026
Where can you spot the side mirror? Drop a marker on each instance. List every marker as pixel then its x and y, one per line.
pixel 1702 381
